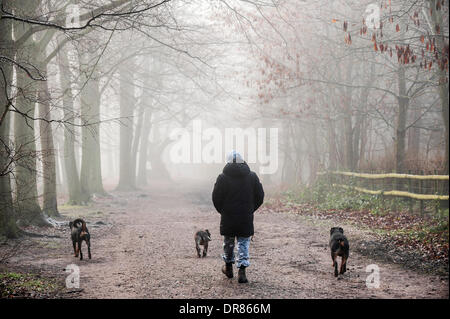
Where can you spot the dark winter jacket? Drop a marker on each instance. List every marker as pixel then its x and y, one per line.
pixel 236 195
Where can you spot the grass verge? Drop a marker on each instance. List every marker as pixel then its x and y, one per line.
pixel 26 285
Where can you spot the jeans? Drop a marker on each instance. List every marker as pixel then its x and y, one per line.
pixel 243 244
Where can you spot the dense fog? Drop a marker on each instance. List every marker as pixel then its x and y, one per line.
pixel 115 95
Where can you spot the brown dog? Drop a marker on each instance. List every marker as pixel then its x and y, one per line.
pixel 339 247
pixel 202 237
pixel 79 232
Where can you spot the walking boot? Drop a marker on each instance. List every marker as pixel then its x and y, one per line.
pixel 227 269
pixel 242 278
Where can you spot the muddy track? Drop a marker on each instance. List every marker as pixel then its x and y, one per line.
pixel 146 250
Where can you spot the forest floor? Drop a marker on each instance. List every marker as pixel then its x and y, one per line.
pixel 143 247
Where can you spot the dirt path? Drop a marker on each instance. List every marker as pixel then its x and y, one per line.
pixel 146 250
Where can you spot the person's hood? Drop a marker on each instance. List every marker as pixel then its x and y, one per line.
pixel 236 169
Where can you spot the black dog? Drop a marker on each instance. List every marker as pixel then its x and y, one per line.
pixel 79 232
pixel 202 237
pixel 339 247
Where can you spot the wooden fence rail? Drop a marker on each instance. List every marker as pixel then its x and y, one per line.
pixel 390 175
pixel 414 187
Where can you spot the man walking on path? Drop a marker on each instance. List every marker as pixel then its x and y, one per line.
pixel 237 194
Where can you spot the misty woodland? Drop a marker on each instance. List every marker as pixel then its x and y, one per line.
pixel 117 116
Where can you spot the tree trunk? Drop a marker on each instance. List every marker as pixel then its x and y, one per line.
pixel 90 175
pixel 8 226
pixel 442 76
pixel 126 127
pixel 143 150
pixel 314 158
pixel 70 160
pixel 348 126
pixel 414 140
pixel 357 132
pixel 360 130
pixel 332 164
pixel 288 176
pixel 96 166
pixel 400 129
pixel 297 131
pixel 60 169
pixel 26 187
pixel 50 206
pixel 364 138
pixel 443 93
pixel 136 142
pixel 331 133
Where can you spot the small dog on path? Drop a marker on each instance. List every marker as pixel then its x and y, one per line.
pixel 79 232
pixel 202 237
pixel 339 247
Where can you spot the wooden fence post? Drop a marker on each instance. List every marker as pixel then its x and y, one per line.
pixel 430 184
pixel 421 192
pixel 411 203
pixel 395 184
pixel 436 183
pixel 436 191
pixel 372 181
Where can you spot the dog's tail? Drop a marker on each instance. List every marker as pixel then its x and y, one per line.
pixel 80 221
